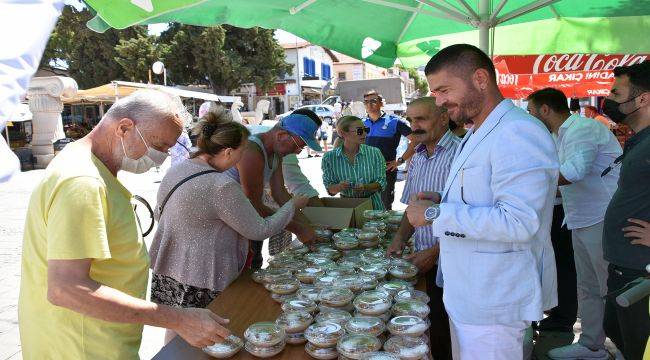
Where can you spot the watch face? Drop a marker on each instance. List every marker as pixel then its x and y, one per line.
pixel 430 214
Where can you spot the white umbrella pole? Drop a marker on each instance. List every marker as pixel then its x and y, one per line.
pixel 484 25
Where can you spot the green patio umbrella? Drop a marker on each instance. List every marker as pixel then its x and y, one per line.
pixel 380 31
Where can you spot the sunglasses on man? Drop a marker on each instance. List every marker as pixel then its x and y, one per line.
pixel 372 101
pixel 361 130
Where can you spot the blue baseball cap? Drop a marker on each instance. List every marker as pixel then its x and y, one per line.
pixel 304 127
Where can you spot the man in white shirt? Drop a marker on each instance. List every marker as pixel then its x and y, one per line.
pixel 494 218
pixel 585 148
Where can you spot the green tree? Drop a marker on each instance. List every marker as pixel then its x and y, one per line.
pixel 89 56
pixel 136 55
pixel 223 57
pixel 421 84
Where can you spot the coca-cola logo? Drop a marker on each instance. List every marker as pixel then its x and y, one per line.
pixel 508 79
pixel 583 62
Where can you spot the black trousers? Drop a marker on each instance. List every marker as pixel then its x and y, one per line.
pixel 388 194
pixel 627 327
pixel 439 335
pixel 564 314
pixel 256 248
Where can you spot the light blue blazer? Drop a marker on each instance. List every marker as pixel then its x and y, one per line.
pixel 496 257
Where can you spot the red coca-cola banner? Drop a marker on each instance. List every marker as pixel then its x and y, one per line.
pixel 540 64
pixel 577 75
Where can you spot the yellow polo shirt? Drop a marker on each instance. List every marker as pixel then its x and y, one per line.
pixel 80 211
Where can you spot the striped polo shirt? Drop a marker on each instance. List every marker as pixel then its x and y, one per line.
pixel 429 173
pixel 369 167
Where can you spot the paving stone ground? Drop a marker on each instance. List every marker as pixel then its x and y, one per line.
pixel 14 197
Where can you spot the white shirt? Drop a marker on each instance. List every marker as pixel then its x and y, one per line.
pixel 585 149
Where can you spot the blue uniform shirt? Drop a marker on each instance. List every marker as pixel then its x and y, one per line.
pixel 385 134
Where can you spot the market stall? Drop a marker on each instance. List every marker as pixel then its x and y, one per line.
pixel 344 285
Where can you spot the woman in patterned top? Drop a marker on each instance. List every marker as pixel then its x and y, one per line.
pixel 354 169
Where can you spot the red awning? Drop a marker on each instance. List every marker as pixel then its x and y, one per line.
pixel 577 75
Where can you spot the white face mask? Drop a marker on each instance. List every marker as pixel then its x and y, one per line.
pixel 150 159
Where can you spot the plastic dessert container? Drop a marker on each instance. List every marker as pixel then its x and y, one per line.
pixel 408 325
pixel 310 293
pixel 228 348
pixel 411 307
pixel 380 355
pixel 336 296
pixel 372 303
pixel 333 315
pixel 308 274
pixel 264 334
pixel 298 304
pixel 407 348
pixel 324 334
pixel 264 352
pixel 296 338
pixel 368 325
pixel 354 346
pixel 412 294
pixel 321 353
pixel 403 271
pixel 394 286
pixel 283 286
pixel 294 321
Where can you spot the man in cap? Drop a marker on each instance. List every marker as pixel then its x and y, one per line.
pixel 261 167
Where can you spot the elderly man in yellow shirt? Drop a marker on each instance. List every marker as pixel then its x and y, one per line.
pixel 84 263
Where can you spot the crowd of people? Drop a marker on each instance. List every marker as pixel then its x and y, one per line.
pixel 522 214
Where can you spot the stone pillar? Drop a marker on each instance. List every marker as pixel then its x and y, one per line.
pixel 45 102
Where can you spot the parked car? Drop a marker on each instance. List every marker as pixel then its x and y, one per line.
pixel 325 112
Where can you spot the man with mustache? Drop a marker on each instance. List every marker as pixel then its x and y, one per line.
pixel 493 218
pixel 428 170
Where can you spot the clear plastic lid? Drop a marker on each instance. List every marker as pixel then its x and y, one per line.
pixel 309 274
pixel 407 326
pixel 346 243
pixel 264 334
pixel 374 225
pixel 299 304
pixel 374 214
pixel 283 286
pixel 270 275
pixel 403 271
pixel 368 235
pixel 394 219
pixel 325 281
pixel 333 315
pixel 324 334
pixel 394 286
pixel 411 307
pixel 378 271
pixel 229 347
pixel 412 294
pixel 336 296
pixel 341 270
pixel 372 302
pixel 354 346
pixel 310 293
pixel 370 325
pixel 294 321
pixel 258 276
pixel 408 348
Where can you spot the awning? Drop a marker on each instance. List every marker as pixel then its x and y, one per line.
pixel 119 89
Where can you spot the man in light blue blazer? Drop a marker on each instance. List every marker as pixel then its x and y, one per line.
pixel 494 215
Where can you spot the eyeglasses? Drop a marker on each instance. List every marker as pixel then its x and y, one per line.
pixel 372 101
pixel 295 142
pixel 360 131
pixel 613 165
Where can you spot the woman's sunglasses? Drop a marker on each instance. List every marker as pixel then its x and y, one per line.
pixel 360 131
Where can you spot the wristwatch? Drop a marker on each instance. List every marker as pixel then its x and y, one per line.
pixel 400 160
pixel 431 213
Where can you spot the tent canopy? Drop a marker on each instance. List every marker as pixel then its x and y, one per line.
pixel 380 31
pixel 118 89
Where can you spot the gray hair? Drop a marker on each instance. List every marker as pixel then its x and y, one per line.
pixel 146 108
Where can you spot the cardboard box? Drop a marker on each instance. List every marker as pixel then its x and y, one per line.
pixel 339 213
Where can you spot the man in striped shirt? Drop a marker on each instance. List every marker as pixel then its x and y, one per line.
pixel 427 172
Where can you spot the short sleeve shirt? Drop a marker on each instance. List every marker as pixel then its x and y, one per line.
pixel 80 211
pixel 385 134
